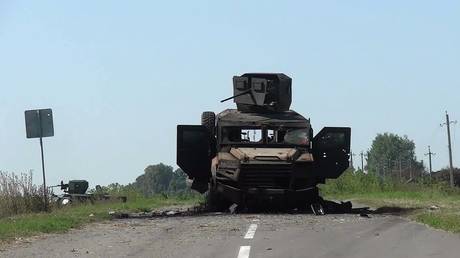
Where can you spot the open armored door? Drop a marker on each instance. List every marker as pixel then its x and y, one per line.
pixel 331 151
pixel 193 153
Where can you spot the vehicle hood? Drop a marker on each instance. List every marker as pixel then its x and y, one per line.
pixel 265 154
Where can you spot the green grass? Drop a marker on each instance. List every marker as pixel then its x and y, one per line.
pixel 61 220
pixel 442 220
pixel 417 205
pixel 410 200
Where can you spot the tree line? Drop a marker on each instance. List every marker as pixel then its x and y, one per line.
pixel 156 179
pixel 393 156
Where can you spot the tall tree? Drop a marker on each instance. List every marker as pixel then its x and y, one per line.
pixel 160 178
pixel 392 154
pixel 156 179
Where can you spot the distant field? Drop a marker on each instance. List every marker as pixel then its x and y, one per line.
pixel 61 220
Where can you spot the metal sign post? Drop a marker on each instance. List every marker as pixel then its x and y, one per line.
pixel 39 124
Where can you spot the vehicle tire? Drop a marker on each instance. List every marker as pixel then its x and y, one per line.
pixel 214 202
pixel 63 201
pixel 208 119
pixel 211 201
pixel 312 197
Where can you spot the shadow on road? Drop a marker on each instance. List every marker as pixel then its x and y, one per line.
pixel 391 210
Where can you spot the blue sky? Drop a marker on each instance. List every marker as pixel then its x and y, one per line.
pixel 121 75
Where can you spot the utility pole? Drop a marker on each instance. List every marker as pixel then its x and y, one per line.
pixel 451 166
pixel 430 154
pixel 362 161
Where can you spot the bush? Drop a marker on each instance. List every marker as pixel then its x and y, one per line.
pixel 19 195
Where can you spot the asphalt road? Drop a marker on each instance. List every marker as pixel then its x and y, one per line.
pixel 246 235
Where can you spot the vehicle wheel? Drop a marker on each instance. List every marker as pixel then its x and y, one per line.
pixel 214 202
pixel 208 119
pixel 211 201
pixel 64 201
pixel 312 197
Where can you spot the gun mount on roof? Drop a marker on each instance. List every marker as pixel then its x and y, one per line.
pixel 262 92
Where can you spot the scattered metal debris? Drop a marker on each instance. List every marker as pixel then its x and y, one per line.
pixel 317 209
pixel 233 208
pixel 180 211
pixel 320 208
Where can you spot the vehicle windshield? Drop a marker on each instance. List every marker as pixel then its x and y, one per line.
pixel 296 136
pixel 242 135
pixel 289 136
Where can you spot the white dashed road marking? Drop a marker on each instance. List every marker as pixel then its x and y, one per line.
pixel 244 252
pixel 251 231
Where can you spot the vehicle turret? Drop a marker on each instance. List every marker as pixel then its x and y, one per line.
pixel 262 92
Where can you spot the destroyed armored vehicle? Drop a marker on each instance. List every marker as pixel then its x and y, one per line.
pixel 261 151
pixel 75 191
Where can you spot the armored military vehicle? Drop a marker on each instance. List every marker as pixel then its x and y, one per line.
pixel 75 191
pixel 262 150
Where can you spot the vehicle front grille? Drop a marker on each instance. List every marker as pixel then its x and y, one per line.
pixel 265 176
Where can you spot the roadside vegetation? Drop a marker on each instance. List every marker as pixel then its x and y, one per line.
pixel 397 183
pixel 21 202
pixel 18 194
pixel 66 218
pixel 432 202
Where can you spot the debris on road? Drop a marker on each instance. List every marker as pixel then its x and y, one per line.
pixel 323 207
pixel 169 212
pixel 233 208
pixel 317 209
